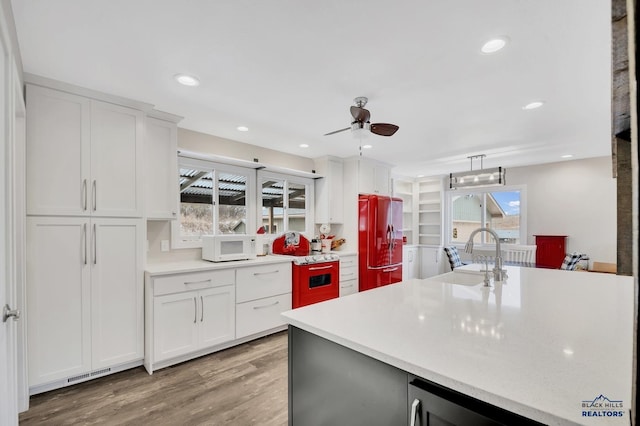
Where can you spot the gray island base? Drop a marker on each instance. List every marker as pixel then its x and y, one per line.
pixel 330 384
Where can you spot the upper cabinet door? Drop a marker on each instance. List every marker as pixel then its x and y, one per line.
pixel 58 152
pixel 161 175
pixel 116 152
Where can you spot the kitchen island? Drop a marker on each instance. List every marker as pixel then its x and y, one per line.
pixel 548 345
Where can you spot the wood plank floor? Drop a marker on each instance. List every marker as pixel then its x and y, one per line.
pixel 243 385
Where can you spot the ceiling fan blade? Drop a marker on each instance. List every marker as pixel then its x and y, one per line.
pixel 384 129
pixel 360 114
pixel 337 131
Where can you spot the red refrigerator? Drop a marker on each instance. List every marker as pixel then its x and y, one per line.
pixel 379 241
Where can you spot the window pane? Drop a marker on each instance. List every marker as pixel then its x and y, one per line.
pixel 196 210
pixel 272 205
pixel 466 215
pixel 232 203
pixel 297 207
pixel 503 215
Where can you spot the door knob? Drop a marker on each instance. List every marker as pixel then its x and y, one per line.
pixel 8 313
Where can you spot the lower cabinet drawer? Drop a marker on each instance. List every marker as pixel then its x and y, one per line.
pixel 258 282
pixel 261 315
pixel 348 273
pixel 348 287
pixel 192 281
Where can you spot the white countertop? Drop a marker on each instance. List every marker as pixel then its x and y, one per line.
pixel 165 268
pixel 538 345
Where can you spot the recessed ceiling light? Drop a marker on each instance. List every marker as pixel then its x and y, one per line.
pixel 367 146
pixel 494 45
pixel 420 176
pixel 187 80
pixel 533 105
pixel 304 145
pixel 566 156
pixel 242 128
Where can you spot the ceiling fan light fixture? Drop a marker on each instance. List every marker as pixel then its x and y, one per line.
pixel 187 80
pixel 494 45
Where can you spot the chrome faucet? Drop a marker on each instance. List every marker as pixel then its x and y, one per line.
pixel 498 273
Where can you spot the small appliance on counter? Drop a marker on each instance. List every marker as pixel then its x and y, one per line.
pixel 316 246
pixel 291 243
pixel 223 248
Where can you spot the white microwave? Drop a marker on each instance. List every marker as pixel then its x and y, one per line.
pixel 221 248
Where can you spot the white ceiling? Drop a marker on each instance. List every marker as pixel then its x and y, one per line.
pixel 289 70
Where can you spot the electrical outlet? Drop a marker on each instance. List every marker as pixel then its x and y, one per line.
pixel 164 245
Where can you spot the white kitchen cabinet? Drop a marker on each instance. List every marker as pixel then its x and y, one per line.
pixel 431 261
pixel 262 293
pixel 410 262
pixel 329 191
pixel 84 298
pixel 348 274
pixel 192 320
pixel 373 177
pixel 84 156
pixel 405 189
pixel 161 169
pixel 188 315
pixel 117 320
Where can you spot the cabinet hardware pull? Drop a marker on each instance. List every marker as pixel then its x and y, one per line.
pixel 201 309
pixel 84 195
pixel 267 306
pixel 95 246
pixel 265 273
pixel 93 192
pixel 414 411
pixel 347 275
pixel 319 268
pixel 346 286
pixel 195 310
pixel 197 282
pixel 347 262
pixel 84 243
pixel 390 269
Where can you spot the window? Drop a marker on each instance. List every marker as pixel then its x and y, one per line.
pixel 213 200
pixel 503 210
pixel 285 202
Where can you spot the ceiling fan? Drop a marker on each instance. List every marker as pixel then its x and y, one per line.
pixel 361 121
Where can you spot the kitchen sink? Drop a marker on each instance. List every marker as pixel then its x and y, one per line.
pixel 460 278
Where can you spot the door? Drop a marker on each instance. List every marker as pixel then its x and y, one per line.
pixel 116 149
pixel 8 400
pixel 58 298
pixel 57 134
pixel 175 325
pixel 375 230
pixel 161 180
pixel 116 292
pixel 217 316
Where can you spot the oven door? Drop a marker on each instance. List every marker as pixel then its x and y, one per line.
pixel 315 283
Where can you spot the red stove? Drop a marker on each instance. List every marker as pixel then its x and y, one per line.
pixel 315 278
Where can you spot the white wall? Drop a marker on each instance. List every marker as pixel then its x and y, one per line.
pixel 208 144
pixel 575 198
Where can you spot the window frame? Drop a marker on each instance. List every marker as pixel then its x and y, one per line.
pixel 450 193
pixel 309 184
pixel 179 241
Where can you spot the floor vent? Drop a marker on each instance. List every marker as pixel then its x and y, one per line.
pixel 98 372
pixel 88 375
pixel 80 377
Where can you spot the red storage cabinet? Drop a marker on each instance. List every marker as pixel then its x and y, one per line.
pixel 550 251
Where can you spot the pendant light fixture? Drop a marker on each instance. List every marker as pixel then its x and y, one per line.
pixel 474 178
